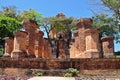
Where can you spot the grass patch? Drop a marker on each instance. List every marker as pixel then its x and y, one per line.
pixel 117 56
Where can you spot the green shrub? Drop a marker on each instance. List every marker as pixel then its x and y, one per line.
pixel 71 72
pixel 38 73
pixel 68 75
pixel 1 51
pixel 111 56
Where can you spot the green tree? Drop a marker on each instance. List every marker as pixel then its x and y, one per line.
pixel 31 15
pixel 9 11
pixel 111 8
pixel 61 27
pixel 108 25
pixel 63 24
pixel 113 5
pixel 59 24
pixel 10 19
pixel 7 26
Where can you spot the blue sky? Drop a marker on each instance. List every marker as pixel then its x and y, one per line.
pixel 75 8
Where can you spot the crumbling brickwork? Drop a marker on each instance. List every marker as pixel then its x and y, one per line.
pixel 30 43
pixel 86 44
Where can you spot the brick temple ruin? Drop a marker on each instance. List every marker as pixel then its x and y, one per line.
pixel 30 43
pixel 30 51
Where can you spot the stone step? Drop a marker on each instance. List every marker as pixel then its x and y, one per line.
pixel 51 78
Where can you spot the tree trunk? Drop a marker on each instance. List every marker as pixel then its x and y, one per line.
pixel 57 51
pixel 101 47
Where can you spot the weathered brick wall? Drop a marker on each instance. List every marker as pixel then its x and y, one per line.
pixel 96 64
pixel 82 64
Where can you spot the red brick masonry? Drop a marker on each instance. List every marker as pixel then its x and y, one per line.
pixel 81 64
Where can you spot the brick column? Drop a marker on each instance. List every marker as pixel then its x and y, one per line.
pixel 39 44
pixel 92 43
pixel 81 40
pixel 30 26
pixel 108 45
pixel 47 49
pixel 62 54
pixel 79 47
pixel 76 36
pixel 20 44
pixel 9 43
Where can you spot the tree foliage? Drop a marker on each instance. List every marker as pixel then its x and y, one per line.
pixel 112 20
pixel 9 11
pixel 10 19
pixel 31 15
pixel 58 24
pixel 113 5
pixel 7 26
pixel 108 25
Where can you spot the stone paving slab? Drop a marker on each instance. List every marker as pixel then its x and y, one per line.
pixel 51 78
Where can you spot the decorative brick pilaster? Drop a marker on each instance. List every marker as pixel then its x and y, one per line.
pixel 20 44
pixel 47 49
pixel 92 43
pixel 39 44
pixel 79 45
pixel 108 46
pixel 9 43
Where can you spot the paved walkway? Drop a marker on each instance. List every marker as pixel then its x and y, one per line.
pixel 51 78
